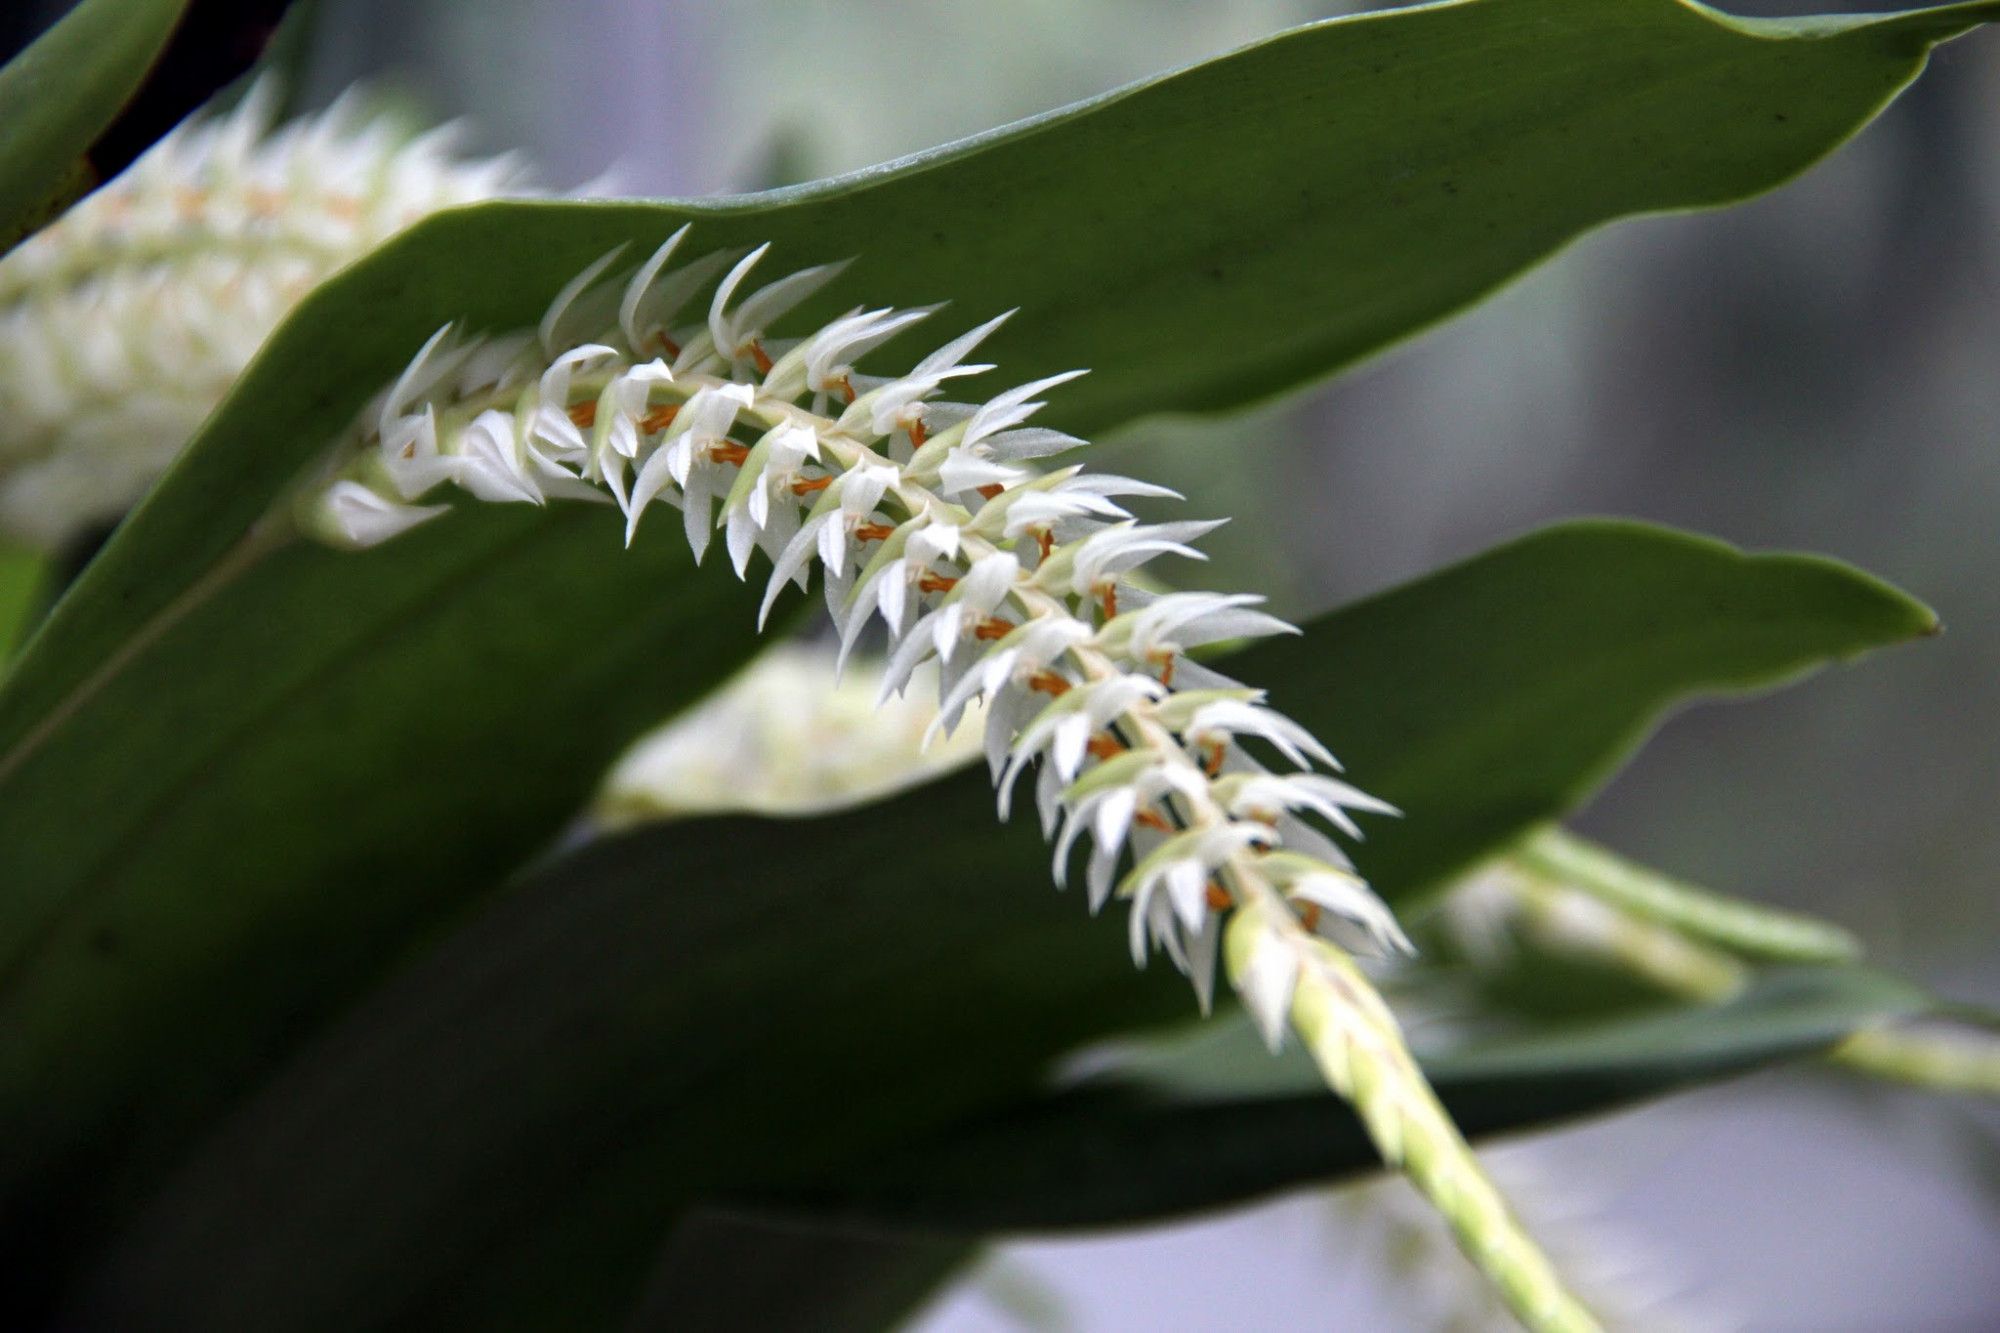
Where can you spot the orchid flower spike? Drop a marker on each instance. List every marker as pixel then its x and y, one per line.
pixel 126 320
pixel 1013 585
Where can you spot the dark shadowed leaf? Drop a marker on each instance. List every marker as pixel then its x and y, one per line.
pixel 22 576
pixel 312 771
pixel 1214 1119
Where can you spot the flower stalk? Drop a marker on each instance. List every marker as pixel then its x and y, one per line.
pixel 933 518
pixel 1574 898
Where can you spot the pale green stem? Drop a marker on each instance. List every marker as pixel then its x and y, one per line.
pixel 1644 894
pixel 1361 1053
pixel 1942 1061
pixel 1574 916
pixel 1564 919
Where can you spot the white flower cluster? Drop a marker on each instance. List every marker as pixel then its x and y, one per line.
pixel 124 322
pixel 789 735
pixel 930 517
pixel 1013 584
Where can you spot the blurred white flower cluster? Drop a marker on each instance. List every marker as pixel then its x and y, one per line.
pixel 124 322
pixel 788 736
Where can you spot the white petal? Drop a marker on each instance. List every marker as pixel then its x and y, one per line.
pixel 1048 798
pixel 955 351
pixel 912 650
pixel 833 537
pixel 964 470
pixel 1101 876
pixel 1347 900
pixel 653 475
pixel 740 535
pixel 1018 446
pixel 1072 737
pixel 1203 944
pixel 1111 820
pixel 362 518
pixel 1012 407
pixel 947 625
pixel 637 289
pixel 893 592
pixel 936 540
pixel 1006 710
pixel 552 331
pixel 1267 983
pixel 775 300
pixel 1187 890
pixel 989 580
pixel 796 556
pixel 862 486
pixel 697 514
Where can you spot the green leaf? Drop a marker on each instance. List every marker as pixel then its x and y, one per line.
pixel 1214 1119
pixel 661 1016
pixel 656 1016
pixel 293 786
pixel 22 575
pixel 1285 229
pixel 1496 695
pixel 57 96
pixel 1202 240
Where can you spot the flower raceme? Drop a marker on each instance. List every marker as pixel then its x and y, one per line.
pixel 927 516
pixel 124 323
pixel 932 517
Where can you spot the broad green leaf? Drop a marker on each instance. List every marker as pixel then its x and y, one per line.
pixel 1495 695
pixel 22 575
pixel 607 1041
pixel 57 96
pixel 661 1015
pixel 1202 240
pixel 314 768
pixel 1214 1119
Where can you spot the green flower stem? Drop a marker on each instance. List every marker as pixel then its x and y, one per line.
pixel 1360 1050
pixel 1738 926
pixel 1633 920
pixel 1941 1061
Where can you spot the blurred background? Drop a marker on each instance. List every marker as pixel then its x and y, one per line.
pixel 1814 370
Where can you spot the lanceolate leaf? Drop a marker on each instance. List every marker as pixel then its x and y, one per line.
pixel 60 94
pixel 661 1016
pixel 1497 694
pixel 1201 241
